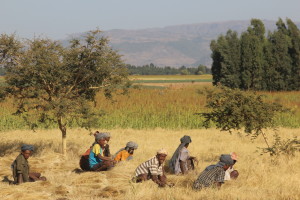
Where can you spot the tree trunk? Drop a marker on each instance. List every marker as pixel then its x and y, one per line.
pixel 63 130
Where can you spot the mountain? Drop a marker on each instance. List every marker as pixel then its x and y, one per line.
pixel 174 46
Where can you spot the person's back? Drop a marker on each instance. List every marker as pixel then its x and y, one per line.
pixel 213 175
pixel 20 167
pixel 84 160
pixel 122 155
pixel 208 177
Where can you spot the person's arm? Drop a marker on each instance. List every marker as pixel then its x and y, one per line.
pixel 154 175
pixel 97 151
pixel 218 185
pixel 20 169
pixel 20 178
pixel 183 166
pixel 156 180
pixel 219 178
pixel 183 157
pixel 105 158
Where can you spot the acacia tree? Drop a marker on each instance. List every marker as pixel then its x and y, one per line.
pixel 56 83
pixel 233 109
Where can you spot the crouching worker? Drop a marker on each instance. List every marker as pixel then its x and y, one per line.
pixel 213 175
pixel 153 169
pixel 97 160
pixel 20 167
pixel 127 152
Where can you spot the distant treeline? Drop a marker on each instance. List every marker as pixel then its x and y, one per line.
pixel 256 60
pixel 151 69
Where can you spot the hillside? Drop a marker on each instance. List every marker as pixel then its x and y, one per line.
pixel 174 45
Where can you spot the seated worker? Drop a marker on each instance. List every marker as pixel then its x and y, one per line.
pixel 97 160
pixel 127 152
pixel 84 159
pixel 231 173
pixel 181 161
pixel 153 169
pixel 213 175
pixel 20 167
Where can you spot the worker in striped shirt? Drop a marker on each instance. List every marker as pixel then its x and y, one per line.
pixel 153 169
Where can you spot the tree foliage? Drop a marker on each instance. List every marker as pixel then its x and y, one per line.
pixel 233 109
pixel 52 82
pixel 256 62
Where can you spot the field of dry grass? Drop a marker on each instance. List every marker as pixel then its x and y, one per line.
pixel 260 176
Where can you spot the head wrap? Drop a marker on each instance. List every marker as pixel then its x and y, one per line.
pixel 132 145
pixel 184 140
pixel 106 134
pixel 225 159
pixel 100 136
pixel 27 147
pixel 162 151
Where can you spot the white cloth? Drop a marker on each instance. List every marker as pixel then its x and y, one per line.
pixel 183 156
pixel 227 174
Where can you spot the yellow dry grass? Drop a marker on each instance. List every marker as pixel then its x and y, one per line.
pixel 260 176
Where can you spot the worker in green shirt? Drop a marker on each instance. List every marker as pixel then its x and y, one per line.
pixel 20 167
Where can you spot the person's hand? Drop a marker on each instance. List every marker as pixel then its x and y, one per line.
pixel 161 184
pixel 114 162
pixel 171 184
pixel 194 159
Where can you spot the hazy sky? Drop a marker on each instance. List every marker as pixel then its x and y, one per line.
pixel 58 18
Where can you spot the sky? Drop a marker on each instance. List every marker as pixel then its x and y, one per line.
pixel 57 19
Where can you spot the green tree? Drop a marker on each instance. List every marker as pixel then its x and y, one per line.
pixel 201 70
pixel 294 52
pixel 233 109
pixel 231 63
pixel 226 60
pixel 217 58
pixel 278 61
pixel 252 57
pixel 50 82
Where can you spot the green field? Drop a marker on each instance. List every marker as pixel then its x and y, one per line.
pixel 158 101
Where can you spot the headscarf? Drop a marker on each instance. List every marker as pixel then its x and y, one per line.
pixel 27 147
pixel 107 135
pixel 184 140
pixel 100 136
pixel 132 145
pixel 225 159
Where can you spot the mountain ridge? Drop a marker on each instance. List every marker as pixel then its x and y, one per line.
pixel 176 45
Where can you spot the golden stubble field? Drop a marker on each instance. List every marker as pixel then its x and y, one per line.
pixel 260 176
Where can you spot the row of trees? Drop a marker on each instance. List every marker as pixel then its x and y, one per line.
pixel 155 70
pixel 256 60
